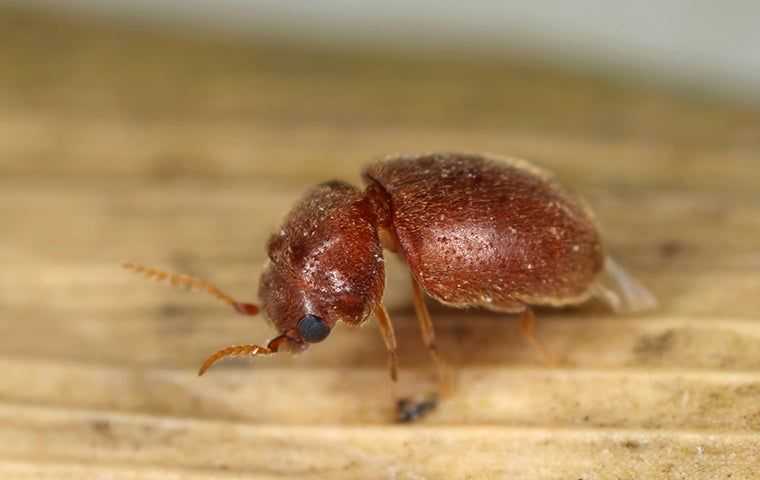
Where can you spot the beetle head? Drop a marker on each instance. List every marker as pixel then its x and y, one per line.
pixel 325 265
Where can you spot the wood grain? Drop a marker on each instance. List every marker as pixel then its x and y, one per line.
pixel 184 151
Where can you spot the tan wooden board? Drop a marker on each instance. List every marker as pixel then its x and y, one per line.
pixel 184 150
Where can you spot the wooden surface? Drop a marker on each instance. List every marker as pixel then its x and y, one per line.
pixel 184 152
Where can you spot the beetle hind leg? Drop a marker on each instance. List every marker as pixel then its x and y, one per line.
pixel 528 331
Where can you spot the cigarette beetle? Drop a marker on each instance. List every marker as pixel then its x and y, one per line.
pixel 474 230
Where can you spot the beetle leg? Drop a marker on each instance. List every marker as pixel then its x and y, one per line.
pixel 177 280
pixel 407 410
pixel 528 330
pixel 389 337
pixel 428 337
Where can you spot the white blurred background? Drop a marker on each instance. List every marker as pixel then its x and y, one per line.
pixel 691 44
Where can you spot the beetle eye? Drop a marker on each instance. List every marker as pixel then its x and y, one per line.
pixel 313 329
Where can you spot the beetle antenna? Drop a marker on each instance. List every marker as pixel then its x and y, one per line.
pixel 243 351
pixel 191 283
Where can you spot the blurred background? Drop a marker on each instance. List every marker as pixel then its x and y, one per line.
pixel 179 133
pixel 694 44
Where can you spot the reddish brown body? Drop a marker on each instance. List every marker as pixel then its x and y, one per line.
pixel 490 233
pixel 474 232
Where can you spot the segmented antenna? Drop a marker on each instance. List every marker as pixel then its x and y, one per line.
pixel 190 283
pixel 233 351
pixel 245 351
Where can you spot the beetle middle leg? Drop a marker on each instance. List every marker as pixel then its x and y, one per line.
pixel 428 337
pixel 528 331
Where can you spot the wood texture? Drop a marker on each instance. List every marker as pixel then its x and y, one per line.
pixel 184 151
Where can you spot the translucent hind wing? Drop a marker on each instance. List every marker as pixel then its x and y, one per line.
pixel 622 292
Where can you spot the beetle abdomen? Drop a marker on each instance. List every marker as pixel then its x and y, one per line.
pixel 477 231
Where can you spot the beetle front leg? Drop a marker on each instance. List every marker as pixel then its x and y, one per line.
pixel 389 337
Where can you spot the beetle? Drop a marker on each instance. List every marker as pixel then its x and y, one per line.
pixel 474 230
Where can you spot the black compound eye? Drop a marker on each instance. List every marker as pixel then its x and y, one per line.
pixel 313 329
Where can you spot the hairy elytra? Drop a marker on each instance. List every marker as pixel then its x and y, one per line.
pixel 474 231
